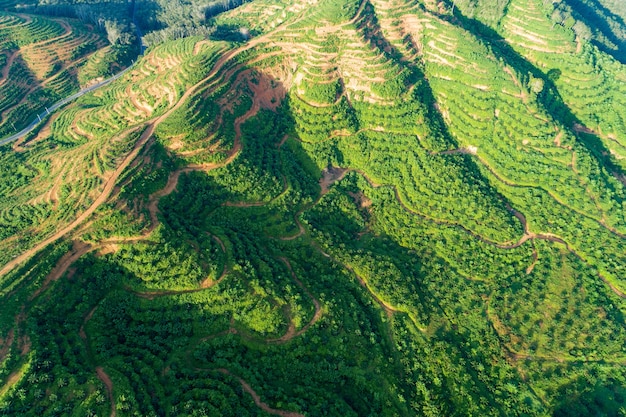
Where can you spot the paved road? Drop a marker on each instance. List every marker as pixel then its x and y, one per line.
pixel 60 103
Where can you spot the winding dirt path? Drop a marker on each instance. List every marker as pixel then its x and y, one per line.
pixel 579 45
pixel 209 282
pixel 106 380
pixel 257 400
pixel 389 309
pixel 147 133
pixel 12 380
pixel 531 267
pixel 301 229
pixel 282 141
pixel 143 139
pixel 172 183
pixel 101 199
pixel 330 176
pixel 291 332
pixel 527 236
pixel 171 186
pixel 556 239
pixel 79 249
pixel 219 242
pixel 206 283
pixel 553 196
pixel 151 295
pixel 88 317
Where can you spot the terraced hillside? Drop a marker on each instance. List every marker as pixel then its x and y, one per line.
pixel 42 60
pixel 377 207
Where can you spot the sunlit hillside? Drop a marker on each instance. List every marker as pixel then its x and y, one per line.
pixel 320 208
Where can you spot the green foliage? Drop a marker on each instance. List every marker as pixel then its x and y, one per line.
pixel 423 245
pixel 322 93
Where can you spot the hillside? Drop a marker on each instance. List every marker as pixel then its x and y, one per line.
pixel 320 208
pixel 42 60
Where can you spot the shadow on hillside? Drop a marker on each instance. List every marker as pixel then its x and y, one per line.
pixel 597 17
pixel 601 399
pixel 373 33
pixel 260 165
pixel 231 33
pixel 549 98
pixel 11 118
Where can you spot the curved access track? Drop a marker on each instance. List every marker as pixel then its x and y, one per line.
pixel 292 332
pixel 106 380
pixel 147 133
pixel 150 127
pixel 257 400
pixel 172 184
pixel 169 188
pixel 389 309
pixel 7 66
pixel 88 317
pixel 101 199
pixel 79 249
pixel 505 181
pixel 528 235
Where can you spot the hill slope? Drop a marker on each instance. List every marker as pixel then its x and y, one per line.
pixel 42 60
pixel 377 207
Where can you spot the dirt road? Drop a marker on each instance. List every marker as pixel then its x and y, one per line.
pixel 106 380
pixel 257 400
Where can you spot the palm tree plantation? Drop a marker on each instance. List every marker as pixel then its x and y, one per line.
pixel 313 208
